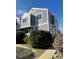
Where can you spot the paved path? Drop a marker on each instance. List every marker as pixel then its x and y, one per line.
pixel 18 45
pixel 23 52
pixel 48 54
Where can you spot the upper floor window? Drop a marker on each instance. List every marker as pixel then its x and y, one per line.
pixel 24 20
pixel 53 20
pixel 16 23
pixel 39 16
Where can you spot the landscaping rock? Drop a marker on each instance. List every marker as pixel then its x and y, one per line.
pixel 58 42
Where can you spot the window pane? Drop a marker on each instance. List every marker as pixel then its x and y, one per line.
pixel 24 20
pixel 39 16
pixel 53 20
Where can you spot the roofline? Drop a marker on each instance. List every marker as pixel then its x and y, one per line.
pixel 39 9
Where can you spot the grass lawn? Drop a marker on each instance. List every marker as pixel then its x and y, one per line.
pixel 37 52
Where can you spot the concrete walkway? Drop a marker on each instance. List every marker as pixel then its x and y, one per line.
pixel 48 54
pixel 18 45
pixel 23 52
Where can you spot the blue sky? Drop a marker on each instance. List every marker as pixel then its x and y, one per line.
pixel 55 6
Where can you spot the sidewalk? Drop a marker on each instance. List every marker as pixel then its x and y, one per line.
pixel 18 45
pixel 48 54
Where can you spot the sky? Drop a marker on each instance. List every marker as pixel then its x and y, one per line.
pixel 54 6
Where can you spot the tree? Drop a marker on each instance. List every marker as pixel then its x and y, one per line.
pixel 26 39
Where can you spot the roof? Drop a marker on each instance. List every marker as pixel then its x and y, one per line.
pixel 41 8
pixel 37 9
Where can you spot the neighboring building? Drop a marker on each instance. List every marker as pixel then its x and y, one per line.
pixel 18 22
pixel 38 19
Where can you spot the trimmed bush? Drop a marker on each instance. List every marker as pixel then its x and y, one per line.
pixel 19 37
pixel 40 39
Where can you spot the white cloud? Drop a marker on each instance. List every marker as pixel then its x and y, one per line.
pixel 20 12
pixel 18 20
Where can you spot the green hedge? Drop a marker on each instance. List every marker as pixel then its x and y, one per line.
pixel 19 37
pixel 40 39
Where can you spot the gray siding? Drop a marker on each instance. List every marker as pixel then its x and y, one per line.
pixel 39 19
pixel 43 14
pixel 43 27
pixel 52 24
pixel 25 21
pixel 51 19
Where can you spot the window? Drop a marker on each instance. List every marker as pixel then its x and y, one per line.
pixel 53 20
pixel 52 28
pixel 32 19
pixel 16 23
pixel 24 20
pixel 35 28
pixel 30 29
pixel 39 16
pixel 26 30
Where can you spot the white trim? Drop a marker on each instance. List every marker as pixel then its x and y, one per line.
pixel 40 8
pixel 48 20
pixel 40 24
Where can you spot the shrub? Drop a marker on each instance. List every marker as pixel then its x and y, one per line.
pixel 26 39
pixel 19 37
pixel 40 39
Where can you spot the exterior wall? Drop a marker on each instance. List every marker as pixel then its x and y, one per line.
pixel 43 13
pixel 56 24
pixel 18 23
pixel 25 20
pixel 43 27
pixel 40 23
pixel 53 24
pixel 46 21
